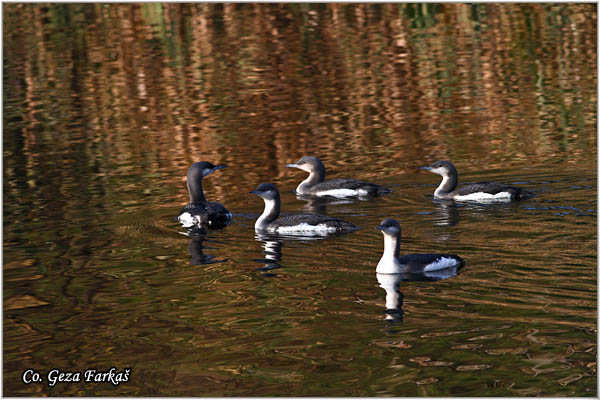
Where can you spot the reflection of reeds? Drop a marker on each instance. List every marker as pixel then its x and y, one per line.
pixel 161 85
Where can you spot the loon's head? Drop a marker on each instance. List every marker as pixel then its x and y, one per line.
pixel 308 164
pixel 444 168
pixel 197 171
pixel 267 191
pixel 200 169
pixel 389 227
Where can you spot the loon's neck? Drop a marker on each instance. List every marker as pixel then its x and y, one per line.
pixel 448 184
pixel 317 175
pixel 388 264
pixel 270 214
pixel 391 246
pixel 195 190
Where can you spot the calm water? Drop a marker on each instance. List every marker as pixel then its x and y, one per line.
pixel 106 106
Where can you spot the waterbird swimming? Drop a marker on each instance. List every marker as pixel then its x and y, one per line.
pixel 392 262
pixel 479 191
pixel 316 184
pixel 295 224
pixel 199 211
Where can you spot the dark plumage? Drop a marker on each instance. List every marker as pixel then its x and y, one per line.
pixel 312 219
pixel 209 213
pixel 414 262
pixel 316 184
pixel 489 187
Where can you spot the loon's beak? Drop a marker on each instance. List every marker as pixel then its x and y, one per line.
pixel 292 166
pixel 426 168
pixel 381 228
pixel 254 192
pixel 210 171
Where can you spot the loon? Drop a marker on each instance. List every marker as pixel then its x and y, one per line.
pixel 392 263
pixel 296 224
pixel 480 191
pixel 316 184
pixel 199 211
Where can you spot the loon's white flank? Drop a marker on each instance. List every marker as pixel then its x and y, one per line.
pixel 443 262
pixel 187 220
pixel 484 197
pixel 305 229
pixel 342 192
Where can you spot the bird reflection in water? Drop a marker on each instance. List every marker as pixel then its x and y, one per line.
pixel 446 213
pixel 394 298
pixel 318 204
pixel 272 245
pixel 197 235
pixel 447 210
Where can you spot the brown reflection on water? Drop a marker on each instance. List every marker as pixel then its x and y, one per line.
pixel 263 84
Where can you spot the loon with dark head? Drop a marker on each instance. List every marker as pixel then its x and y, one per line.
pixel 199 211
pixel 480 191
pixel 296 224
pixel 316 184
pixel 393 263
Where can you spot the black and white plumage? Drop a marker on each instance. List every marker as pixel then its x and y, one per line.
pixel 295 224
pixel 316 184
pixel 479 191
pixel 392 262
pixel 199 211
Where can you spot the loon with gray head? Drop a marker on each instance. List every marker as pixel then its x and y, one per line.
pixel 392 263
pixel 296 224
pixel 479 191
pixel 199 211
pixel 316 184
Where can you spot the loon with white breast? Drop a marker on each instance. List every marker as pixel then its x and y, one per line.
pixel 316 184
pixel 295 224
pixel 392 263
pixel 199 211
pixel 479 191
